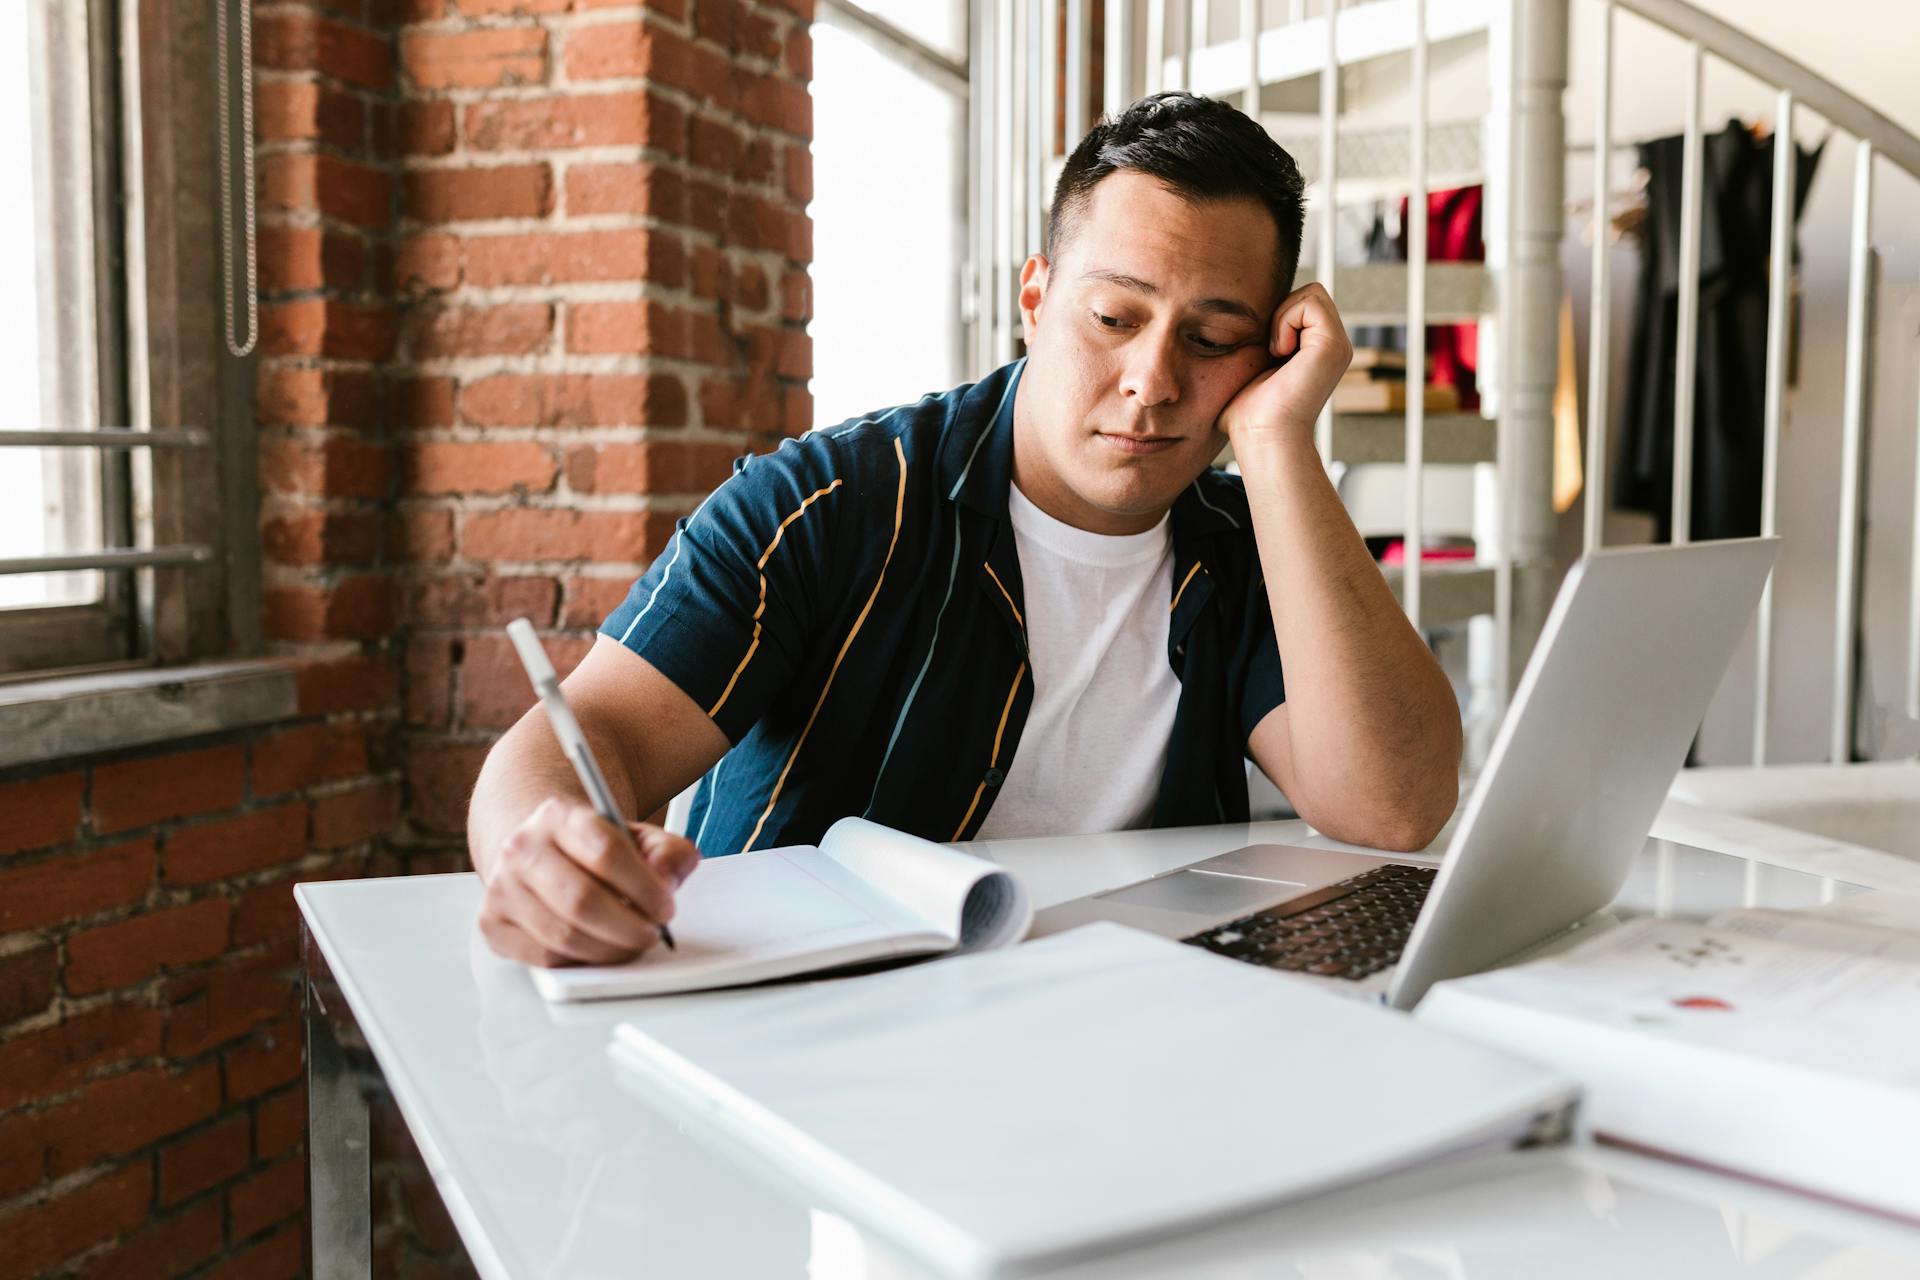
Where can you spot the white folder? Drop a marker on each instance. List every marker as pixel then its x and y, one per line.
pixel 1014 1109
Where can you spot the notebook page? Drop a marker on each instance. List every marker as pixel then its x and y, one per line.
pixel 755 916
pixel 971 901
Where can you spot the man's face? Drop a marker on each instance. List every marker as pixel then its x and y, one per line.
pixel 1158 312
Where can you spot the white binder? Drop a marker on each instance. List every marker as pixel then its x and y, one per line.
pixel 1012 1109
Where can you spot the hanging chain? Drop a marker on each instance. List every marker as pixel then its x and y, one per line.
pixel 238 348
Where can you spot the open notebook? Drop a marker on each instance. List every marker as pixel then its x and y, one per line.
pixel 868 893
pixel 1015 1109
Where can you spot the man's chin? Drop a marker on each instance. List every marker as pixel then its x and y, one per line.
pixel 1132 494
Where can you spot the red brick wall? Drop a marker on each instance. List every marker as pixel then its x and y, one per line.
pixel 532 273
pixel 150 1101
pixel 601 258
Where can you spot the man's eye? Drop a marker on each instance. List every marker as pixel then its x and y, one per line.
pixel 1205 345
pixel 1111 322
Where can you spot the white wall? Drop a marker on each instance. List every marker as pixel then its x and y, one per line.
pixel 1835 40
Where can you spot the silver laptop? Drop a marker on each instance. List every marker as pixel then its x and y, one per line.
pixel 1625 668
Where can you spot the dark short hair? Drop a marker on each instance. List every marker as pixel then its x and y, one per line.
pixel 1200 148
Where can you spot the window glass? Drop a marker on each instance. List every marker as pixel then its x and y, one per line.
pixel 52 501
pixel 887 224
pixel 938 24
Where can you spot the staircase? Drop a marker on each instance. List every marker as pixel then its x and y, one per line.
pixel 1349 90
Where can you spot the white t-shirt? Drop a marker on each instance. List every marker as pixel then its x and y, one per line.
pixel 1104 695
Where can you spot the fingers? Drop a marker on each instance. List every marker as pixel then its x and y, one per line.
pixel 608 855
pixel 1307 311
pixel 520 927
pixel 511 941
pixel 669 855
pixel 586 907
pixel 570 888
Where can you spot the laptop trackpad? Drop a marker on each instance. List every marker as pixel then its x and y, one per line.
pixel 1204 893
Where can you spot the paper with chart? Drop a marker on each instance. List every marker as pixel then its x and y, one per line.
pixel 1819 988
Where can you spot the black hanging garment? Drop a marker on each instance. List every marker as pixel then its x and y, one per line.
pixel 1730 369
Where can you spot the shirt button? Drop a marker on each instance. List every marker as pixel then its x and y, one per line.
pixel 994 777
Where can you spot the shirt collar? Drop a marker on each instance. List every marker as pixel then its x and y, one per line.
pixel 976 459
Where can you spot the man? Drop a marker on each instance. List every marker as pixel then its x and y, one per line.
pixel 1025 605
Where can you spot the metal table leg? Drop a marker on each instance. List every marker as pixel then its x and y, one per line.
pixel 339 1204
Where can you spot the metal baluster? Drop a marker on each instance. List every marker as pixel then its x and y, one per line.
pixel 1250 31
pixel 1598 331
pixel 1416 376
pixel 1329 208
pixel 1076 74
pixel 1688 312
pixel 1047 97
pixel 980 186
pixel 1156 46
pixel 1007 83
pixel 1039 123
pixel 1913 589
pixel 1199 21
pixel 1119 40
pixel 1505 216
pixel 1779 295
pixel 1852 431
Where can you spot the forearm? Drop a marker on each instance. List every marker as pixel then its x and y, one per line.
pixel 525 767
pixel 1374 728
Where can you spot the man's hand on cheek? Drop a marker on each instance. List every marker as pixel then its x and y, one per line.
pixel 1309 340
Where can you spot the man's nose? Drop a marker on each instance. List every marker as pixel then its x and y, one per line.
pixel 1152 373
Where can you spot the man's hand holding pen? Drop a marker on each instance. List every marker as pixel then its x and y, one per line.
pixel 569 890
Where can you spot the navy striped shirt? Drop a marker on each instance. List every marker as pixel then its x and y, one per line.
pixel 848 610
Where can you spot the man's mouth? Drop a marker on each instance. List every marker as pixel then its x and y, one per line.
pixel 1132 444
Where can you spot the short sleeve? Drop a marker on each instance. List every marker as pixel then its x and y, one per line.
pixel 726 611
pixel 1263 688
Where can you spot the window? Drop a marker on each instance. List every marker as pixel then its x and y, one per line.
pixel 113 511
pixel 57 248
pixel 889 208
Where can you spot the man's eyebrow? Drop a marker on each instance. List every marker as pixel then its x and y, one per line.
pixel 1217 306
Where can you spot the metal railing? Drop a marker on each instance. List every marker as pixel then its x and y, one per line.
pixel 1016 161
pixel 186 554
pixel 1524 150
pixel 1875 136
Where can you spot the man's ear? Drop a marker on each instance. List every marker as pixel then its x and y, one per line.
pixel 1033 291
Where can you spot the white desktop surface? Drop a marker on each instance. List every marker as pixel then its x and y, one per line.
pixel 552 1165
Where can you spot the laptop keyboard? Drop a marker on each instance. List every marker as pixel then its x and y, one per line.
pixel 1347 930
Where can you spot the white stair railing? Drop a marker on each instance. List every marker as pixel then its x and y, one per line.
pixel 1875 136
pixel 1017 156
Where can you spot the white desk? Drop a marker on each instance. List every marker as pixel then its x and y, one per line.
pixel 553 1166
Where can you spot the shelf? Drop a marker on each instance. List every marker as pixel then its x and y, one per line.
pixel 1376 293
pixel 1450 593
pixel 1451 439
pixel 1376 163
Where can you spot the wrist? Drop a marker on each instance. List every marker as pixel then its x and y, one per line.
pixel 1288 444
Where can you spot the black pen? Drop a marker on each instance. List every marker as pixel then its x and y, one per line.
pixel 572 741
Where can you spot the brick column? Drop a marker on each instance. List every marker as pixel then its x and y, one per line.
pixel 532 272
pixel 602 265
